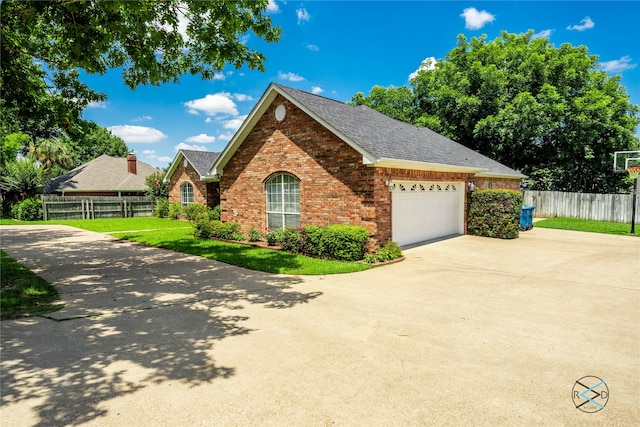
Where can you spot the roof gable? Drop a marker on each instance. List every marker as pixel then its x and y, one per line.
pixel 201 161
pixel 104 173
pixel 381 140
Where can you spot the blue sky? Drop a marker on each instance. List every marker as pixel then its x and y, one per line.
pixel 338 48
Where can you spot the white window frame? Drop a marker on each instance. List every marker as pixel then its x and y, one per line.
pixel 186 194
pixel 282 194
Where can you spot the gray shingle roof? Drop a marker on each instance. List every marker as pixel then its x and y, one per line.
pixel 104 173
pixel 387 138
pixel 200 160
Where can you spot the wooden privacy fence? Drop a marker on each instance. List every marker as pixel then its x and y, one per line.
pixel 64 207
pixel 598 207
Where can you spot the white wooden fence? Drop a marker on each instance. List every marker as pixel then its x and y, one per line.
pixel 599 207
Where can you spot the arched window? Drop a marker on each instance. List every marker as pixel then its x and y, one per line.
pixel 283 201
pixel 186 194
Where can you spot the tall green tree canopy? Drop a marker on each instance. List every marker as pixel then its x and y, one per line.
pixel 546 111
pixel 45 44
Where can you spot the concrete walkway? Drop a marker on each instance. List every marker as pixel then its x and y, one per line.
pixel 465 331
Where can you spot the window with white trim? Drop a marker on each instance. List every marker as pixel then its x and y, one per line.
pixel 186 194
pixel 283 201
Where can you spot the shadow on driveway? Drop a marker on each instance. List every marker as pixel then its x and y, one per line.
pixel 153 314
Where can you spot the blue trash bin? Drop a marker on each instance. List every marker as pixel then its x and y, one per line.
pixel 526 218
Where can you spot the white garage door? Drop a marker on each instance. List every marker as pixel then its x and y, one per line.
pixel 426 210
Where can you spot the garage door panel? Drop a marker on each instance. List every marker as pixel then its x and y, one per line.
pixel 426 211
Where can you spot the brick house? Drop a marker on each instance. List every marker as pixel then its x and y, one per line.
pixel 301 159
pixel 189 179
pixel 105 176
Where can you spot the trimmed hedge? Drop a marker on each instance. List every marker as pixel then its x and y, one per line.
pixel 495 213
pixel 205 229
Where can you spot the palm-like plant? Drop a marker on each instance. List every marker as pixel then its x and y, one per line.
pixel 49 153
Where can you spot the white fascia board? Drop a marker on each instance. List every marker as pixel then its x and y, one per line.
pixel 367 157
pixel 498 175
pixel 256 113
pixel 263 103
pixel 174 165
pixel 436 167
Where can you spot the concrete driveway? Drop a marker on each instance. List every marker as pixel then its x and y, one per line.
pixel 465 331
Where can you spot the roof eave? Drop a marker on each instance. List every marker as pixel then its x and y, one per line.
pixel 256 113
pixel 424 166
pixel 173 167
pixel 500 175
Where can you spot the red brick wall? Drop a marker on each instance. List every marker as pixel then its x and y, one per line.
pixel 335 187
pixel 333 180
pixel 202 193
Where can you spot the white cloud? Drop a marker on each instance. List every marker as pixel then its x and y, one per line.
pixel 585 24
pixel 272 7
pixel 234 124
pixel 242 97
pixel 207 120
pixel 428 64
pixel 618 65
pixel 317 90
pixel 303 15
pixel 183 146
pixel 140 134
pixel 313 47
pixel 225 137
pixel 152 156
pixel 290 76
pixel 475 19
pixel 212 104
pixel 100 104
pixel 203 138
pixel 544 34
pixel 142 119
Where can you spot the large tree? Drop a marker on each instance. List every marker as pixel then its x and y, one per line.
pixel 548 112
pixel 44 44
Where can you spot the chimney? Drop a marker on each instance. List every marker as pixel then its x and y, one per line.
pixel 132 164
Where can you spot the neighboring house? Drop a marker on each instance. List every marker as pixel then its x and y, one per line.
pixel 105 176
pixel 301 159
pixel 189 179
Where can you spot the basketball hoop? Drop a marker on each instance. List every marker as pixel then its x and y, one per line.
pixel 629 161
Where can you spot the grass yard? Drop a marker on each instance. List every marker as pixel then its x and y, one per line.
pixel 576 224
pixel 241 255
pixel 22 293
pixel 178 236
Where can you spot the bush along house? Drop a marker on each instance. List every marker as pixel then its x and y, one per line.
pixel 301 159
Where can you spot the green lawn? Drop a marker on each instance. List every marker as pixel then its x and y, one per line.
pixel 178 236
pixel 588 225
pixel 22 293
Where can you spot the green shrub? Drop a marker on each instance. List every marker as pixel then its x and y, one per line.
pixel 195 212
pixel 175 210
pixel 495 213
pixel 311 240
pixel 290 240
pixel 27 210
pixel 203 229
pixel 227 230
pixel 162 208
pixel 388 252
pixel 344 242
pixel 254 234
pixel 214 214
pixel 274 235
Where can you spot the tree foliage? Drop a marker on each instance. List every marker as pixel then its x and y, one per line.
pixel 21 179
pixel 45 44
pixel 546 111
pixel 153 42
